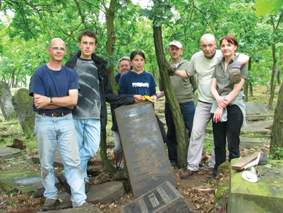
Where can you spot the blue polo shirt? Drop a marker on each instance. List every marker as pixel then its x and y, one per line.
pixel 53 83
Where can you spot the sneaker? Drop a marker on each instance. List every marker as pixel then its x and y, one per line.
pixel 86 204
pixel 50 204
pixel 187 173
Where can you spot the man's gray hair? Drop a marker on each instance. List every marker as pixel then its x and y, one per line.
pixel 207 37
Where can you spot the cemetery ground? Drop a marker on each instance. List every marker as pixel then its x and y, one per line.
pixel 201 192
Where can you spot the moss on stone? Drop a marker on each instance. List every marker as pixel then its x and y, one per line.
pixel 266 195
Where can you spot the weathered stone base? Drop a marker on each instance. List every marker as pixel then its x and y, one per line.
pixel 264 196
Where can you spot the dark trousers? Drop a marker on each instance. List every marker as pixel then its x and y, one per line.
pixel 229 130
pixel 188 111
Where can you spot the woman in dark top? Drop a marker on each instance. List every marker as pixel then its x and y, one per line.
pixel 137 82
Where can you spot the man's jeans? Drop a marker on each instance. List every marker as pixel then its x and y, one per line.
pixel 187 110
pixel 50 133
pixel 88 134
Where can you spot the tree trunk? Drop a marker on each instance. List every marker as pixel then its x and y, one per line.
pixel 272 84
pixel 164 66
pixel 247 82
pixel 111 38
pixel 276 144
pixel 110 51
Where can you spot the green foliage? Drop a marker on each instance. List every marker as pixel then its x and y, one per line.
pixel 277 153
pixel 264 7
pixel 35 22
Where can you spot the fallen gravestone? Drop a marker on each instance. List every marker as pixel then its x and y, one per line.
pixel 147 163
pixel 23 106
pixel 105 192
pixel 266 195
pixel 256 111
pixel 8 152
pixel 163 199
pixel 24 181
pixel 6 105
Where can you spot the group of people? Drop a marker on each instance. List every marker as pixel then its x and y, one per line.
pixel 69 101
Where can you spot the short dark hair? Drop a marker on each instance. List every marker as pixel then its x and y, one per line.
pixel 137 52
pixel 88 33
pixel 230 39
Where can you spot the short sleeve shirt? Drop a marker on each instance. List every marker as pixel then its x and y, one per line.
pixel 53 83
pixel 183 88
pixel 203 68
pixel 223 84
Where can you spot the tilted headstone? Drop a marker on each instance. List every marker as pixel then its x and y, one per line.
pixel 147 162
pixel 23 106
pixel 163 199
pixel 6 105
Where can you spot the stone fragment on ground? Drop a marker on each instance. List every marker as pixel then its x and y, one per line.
pixel 105 192
pixel 8 152
pixel 24 181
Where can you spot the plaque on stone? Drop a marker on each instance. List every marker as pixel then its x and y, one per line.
pixel 147 162
pixel 163 199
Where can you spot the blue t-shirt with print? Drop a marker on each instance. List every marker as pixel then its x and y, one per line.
pixel 133 83
pixel 52 83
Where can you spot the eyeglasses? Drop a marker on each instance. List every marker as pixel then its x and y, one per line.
pixel 58 48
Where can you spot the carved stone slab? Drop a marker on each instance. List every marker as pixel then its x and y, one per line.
pixel 147 162
pixel 163 199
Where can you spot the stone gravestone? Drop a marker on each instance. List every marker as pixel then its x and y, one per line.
pixel 256 111
pixel 6 105
pixel 147 162
pixel 163 199
pixel 7 152
pixel 23 106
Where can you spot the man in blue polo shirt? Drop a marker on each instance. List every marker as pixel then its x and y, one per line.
pixel 55 93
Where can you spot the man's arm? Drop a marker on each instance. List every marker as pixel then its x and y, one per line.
pixel 243 59
pixel 182 73
pixel 44 102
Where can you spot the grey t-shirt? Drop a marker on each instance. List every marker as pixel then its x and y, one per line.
pixel 204 68
pixel 89 104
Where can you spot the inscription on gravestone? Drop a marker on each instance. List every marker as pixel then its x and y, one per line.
pixel 163 199
pixel 147 162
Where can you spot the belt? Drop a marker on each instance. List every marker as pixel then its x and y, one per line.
pixel 54 114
